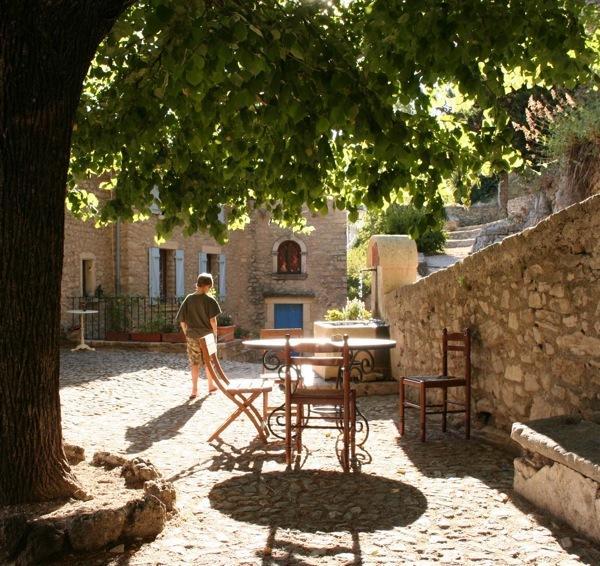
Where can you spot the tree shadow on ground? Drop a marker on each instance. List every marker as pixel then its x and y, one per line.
pixel 450 455
pixel 319 501
pixel 162 427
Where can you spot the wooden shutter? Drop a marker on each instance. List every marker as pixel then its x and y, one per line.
pixel 222 276
pixel 179 274
pixel 154 273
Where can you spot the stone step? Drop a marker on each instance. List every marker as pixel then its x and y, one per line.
pixel 467 242
pixel 463 233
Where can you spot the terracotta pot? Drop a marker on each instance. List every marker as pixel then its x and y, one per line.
pixel 116 336
pixel 145 336
pixel 225 333
pixel 173 337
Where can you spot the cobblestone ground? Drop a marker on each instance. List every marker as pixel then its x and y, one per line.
pixel 448 501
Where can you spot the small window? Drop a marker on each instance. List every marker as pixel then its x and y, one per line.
pixel 88 277
pixel 289 257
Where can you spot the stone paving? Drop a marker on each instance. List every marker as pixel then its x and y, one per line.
pixel 448 501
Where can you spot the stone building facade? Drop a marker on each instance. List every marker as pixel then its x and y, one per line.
pixel 123 259
pixel 533 304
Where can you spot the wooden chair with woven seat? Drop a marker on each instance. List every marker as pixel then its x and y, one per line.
pixel 451 341
pixel 299 399
pixel 242 392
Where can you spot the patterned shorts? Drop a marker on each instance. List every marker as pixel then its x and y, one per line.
pixel 194 352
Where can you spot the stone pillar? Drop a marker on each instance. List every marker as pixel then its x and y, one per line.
pixel 395 261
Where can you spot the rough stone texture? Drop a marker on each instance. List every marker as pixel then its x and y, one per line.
pixel 256 288
pixel 563 492
pixel 447 501
pixel 163 491
pixel 44 541
pixel 97 529
pixel 479 213
pixel 12 530
pixel 533 303
pixel 567 440
pixel 108 460
pixel 74 454
pixel 145 518
pixel 138 471
pixel 496 232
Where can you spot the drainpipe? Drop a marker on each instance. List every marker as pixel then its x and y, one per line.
pixel 118 257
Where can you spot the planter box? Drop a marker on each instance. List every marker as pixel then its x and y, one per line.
pixel 173 337
pixel 356 329
pixel 225 333
pixel 145 336
pixel 116 336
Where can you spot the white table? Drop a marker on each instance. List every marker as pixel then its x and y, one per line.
pixel 82 345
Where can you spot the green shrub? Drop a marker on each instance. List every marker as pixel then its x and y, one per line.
pixel 224 320
pixel 421 225
pixel 354 310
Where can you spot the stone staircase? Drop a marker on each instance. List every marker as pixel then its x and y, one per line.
pixel 458 246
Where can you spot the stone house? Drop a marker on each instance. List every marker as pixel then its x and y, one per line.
pixel 265 276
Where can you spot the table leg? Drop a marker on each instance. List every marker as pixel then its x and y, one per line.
pixel 82 345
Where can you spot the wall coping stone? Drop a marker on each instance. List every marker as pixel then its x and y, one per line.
pixel 566 439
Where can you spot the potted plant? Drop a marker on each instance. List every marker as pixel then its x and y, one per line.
pixel 118 321
pixel 149 331
pixel 171 333
pixel 225 328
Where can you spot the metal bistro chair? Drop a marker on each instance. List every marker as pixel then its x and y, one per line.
pixel 457 342
pixel 242 392
pixel 333 404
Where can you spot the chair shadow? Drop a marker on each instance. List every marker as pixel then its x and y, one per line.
pixel 319 501
pixel 249 458
pixel 292 551
pixel 162 427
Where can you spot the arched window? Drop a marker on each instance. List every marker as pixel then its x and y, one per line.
pixel 289 257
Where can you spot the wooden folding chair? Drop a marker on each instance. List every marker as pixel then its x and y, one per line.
pixel 242 392
pixel 299 400
pixel 451 342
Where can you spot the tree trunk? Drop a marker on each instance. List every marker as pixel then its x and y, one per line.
pixel 45 50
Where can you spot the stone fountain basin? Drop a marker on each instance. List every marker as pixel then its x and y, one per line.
pixel 356 329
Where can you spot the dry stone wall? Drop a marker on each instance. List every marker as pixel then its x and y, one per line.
pixel 533 303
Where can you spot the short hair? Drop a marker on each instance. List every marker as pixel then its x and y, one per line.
pixel 205 279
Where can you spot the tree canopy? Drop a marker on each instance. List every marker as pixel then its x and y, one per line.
pixel 285 103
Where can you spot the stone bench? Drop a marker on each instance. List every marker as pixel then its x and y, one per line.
pixel 559 469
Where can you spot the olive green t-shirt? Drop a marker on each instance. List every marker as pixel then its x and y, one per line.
pixel 196 310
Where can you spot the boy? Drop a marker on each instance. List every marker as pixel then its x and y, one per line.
pixel 198 317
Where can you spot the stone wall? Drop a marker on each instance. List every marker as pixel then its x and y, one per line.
pixel 533 303
pixel 479 213
pixel 321 286
pixel 252 287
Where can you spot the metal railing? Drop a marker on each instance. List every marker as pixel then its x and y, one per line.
pixel 126 314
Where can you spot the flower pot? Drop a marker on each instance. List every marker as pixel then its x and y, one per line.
pixel 173 337
pixel 145 336
pixel 225 333
pixel 116 336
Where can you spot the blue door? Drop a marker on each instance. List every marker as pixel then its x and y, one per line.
pixel 288 316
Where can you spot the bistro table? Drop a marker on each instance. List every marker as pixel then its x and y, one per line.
pixel 82 345
pixel 357 346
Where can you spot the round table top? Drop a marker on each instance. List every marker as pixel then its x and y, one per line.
pixel 354 343
pixel 79 311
